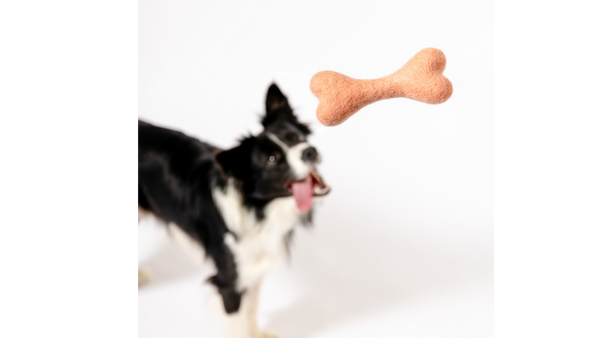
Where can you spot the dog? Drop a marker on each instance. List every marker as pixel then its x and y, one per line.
pixel 240 205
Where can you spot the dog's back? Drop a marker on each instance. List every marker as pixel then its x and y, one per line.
pixel 172 172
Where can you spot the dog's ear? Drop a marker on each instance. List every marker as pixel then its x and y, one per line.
pixel 276 102
pixel 237 161
pixel 278 109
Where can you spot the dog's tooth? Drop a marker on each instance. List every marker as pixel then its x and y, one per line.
pixel 322 191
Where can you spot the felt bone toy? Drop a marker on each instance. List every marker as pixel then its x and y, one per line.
pixel 419 79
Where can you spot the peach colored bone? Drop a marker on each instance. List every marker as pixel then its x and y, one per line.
pixel 419 79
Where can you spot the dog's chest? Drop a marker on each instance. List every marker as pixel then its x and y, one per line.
pixel 257 245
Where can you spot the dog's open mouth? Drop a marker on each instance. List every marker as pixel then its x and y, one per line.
pixel 304 190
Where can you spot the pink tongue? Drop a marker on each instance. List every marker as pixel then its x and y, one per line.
pixel 303 192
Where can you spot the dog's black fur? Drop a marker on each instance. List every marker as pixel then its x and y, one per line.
pixel 177 174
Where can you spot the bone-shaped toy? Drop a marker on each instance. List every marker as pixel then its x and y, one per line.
pixel 419 79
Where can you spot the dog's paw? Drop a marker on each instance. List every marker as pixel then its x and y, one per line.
pixel 263 334
pixel 143 277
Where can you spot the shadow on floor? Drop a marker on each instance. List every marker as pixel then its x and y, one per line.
pixel 351 270
pixel 171 262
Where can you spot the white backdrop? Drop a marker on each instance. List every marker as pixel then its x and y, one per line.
pixel 404 243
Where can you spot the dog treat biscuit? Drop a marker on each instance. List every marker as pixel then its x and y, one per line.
pixel 420 79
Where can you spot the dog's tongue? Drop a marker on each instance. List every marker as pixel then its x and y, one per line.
pixel 303 193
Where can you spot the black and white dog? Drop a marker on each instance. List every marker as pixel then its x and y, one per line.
pixel 240 205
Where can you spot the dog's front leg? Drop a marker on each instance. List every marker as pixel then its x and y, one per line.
pixel 235 306
pixel 250 306
pixel 242 323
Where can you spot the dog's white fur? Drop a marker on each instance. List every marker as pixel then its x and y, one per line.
pixel 294 157
pixel 257 247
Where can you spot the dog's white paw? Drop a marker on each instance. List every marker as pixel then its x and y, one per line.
pixel 143 277
pixel 263 334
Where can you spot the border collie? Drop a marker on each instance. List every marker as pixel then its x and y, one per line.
pixel 240 205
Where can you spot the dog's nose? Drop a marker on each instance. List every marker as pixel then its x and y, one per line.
pixel 310 154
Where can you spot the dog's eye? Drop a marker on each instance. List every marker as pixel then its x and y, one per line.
pixel 272 160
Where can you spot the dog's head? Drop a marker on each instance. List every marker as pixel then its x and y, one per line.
pixel 279 162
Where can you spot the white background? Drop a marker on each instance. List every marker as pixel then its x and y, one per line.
pixel 403 246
